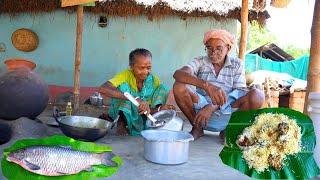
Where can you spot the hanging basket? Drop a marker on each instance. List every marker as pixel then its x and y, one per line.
pixel 25 40
pixel 280 3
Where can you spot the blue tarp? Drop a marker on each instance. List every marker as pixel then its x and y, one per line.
pixel 297 68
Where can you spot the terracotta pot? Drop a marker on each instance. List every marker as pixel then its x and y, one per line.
pixel 22 92
pixel 13 64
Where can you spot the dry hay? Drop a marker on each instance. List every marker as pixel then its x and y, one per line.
pixel 122 8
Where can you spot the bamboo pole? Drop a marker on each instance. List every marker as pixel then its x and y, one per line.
pixel 244 29
pixel 77 61
pixel 314 64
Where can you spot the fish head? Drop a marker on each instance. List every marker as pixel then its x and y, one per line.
pixel 16 156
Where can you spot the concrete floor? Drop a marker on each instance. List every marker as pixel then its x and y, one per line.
pixel 204 161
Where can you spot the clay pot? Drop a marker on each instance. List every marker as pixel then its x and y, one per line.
pixel 13 64
pixel 22 92
pixel 5 133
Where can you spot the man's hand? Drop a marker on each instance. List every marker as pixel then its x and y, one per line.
pixel 216 94
pixel 204 115
pixel 143 107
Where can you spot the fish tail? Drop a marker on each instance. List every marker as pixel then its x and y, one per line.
pixel 107 159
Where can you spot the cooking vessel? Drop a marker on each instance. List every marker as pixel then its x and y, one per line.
pixel 171 121
pixel 96 99
pixel 166 147
pixel 83 127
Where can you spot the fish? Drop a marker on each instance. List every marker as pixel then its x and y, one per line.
pixel 58 160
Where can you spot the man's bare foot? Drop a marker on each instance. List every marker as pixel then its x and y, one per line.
pixel 222 136
pixel 197 133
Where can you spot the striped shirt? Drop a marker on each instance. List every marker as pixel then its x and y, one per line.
pixel 230 77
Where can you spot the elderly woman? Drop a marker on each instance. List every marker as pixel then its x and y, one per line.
pixel 143 85
pixel 220 86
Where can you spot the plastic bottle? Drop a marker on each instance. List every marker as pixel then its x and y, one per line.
pixel 69 109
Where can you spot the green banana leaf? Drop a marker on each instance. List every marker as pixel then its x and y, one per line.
pixel 16 172
pixel 298 166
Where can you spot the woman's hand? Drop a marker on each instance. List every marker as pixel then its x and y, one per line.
pixel 167 106
pixel 143 107
pixel 216 94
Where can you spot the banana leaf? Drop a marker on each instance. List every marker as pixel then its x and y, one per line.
pixel 299 166
pixel 16 172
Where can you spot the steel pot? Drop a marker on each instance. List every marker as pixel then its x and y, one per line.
pixel 166 147
pixel 83 127
pixel 96 99
pixel 172 121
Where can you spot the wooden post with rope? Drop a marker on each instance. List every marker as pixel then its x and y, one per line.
pixel 77 61
pixel 244 29
pixel 314 64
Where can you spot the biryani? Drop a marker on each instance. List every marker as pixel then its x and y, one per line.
pixel 269 140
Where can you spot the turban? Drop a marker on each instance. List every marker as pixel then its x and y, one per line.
pixel 221 34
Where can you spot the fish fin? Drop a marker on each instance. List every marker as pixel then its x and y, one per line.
pixel 107 159
pixel 90 169
pixel 31 166
pixel 61 173
pixel 65 146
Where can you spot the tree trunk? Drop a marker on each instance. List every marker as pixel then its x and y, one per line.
pixel 77 61
pixel 244 29
pixel 314 64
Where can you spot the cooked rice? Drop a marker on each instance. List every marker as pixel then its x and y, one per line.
pixel 265 141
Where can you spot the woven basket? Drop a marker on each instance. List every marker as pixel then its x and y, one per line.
pixel 25 40
pixel 280 3
pixel 296 101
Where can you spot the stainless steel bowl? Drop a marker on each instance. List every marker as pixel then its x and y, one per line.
pixel 83 127
pixel 172 121
pixel 166 147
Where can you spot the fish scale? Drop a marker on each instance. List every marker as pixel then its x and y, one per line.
pixel 56 160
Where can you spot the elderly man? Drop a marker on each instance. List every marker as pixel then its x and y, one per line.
pixel 220 86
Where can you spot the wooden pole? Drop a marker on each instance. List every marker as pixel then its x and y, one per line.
pixel 314 64
pixel 244 29
pixel 77 61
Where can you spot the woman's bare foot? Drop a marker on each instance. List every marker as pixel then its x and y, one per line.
pixel 197 133
pixel 121 126
pixel 122 131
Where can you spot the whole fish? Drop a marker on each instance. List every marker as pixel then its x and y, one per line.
pixel 58 160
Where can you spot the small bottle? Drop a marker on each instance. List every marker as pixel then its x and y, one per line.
pixel 69 109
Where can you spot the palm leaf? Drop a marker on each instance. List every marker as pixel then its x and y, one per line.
pixel 299 166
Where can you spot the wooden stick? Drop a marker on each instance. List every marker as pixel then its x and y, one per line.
pixel 268 97
pixel 244 29
pixel 314 64
pixel 77 61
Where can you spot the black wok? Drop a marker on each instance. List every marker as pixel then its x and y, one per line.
pixel 83 127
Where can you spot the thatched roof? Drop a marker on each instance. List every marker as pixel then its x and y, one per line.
pixel 218 9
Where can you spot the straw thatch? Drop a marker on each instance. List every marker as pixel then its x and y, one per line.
pixel 219 9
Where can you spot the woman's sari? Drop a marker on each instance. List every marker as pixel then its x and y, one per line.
pixel 152 91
